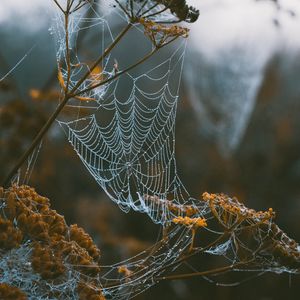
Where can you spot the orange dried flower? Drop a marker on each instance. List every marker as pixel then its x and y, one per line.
pixel 89 292
pixel 28 215
pixel 78 235
pixel 10 237
pixel 161 34
pixel 234 207
pixel 176 209
pixel 190 222
pixel 47 263
pixel 8 292
pixel 124 271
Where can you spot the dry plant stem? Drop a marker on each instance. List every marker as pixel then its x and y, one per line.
pixel 97 62
pixel 141 8
pixel 195 251
pixel 192 251
pixel 131 7
pixel 157 13
pixel 150 8
pixel 204 273
pixel 113 283
pixel 191 248
pixel 118 74
pixel 59 6
pixel 123 9
pixel 68 60
pixel 79 43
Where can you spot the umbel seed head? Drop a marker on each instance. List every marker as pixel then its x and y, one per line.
pixel 181 10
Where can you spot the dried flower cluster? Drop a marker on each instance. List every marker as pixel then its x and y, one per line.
pixel 123 270
pixel 10 237
pixel 89 292
pixel 190 222
pixel 160 34
pixel 181 10
pixel 9 292
pixel 26 218
pixel 229 210
pixel 72 6
pixel 175 209
pixel 284 249
pixel 267 243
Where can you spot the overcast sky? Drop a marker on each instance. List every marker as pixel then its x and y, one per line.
pixel 25 13
pixel 220 20
pixel 246 22
pixel 222 23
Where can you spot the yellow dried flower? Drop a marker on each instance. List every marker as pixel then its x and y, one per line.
pixel 161 35
pixel 190 222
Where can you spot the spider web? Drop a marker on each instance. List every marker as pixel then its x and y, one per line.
pixel 127 142
pixel 125 137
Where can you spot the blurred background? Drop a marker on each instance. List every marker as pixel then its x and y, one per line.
pixel 238 128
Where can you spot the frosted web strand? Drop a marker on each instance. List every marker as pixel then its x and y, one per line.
pixel 126 143
pixel 145 267
pixel 18 63
pixel 31 163
pixel 133 154
pixel 126 140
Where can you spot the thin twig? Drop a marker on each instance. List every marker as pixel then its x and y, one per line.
pixel 68 60
pixel 204 273
pixel 99 60
pixel 149 9
pixel 56 2
pixel 124 9
pixel 118 74
pixel 79 45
